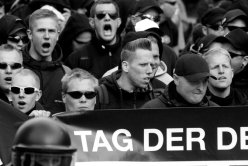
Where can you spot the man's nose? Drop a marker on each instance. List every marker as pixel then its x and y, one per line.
pixel 8 69
pixel 83 99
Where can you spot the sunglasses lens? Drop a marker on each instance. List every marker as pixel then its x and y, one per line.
pixel 3 65
pixel 16 66
pixel 29 90
pixel 90 95
pixel 15 90
pixel 16 39
pixel 100 16
pixel 75 94
pixel 113 16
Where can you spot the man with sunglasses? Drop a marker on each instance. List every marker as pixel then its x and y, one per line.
pixel 103 52
pixel 25 93
pixel 13 31
pixel 10 63
pixel 234 19
pixel 43 56
pixel 211 21
pixel 78 90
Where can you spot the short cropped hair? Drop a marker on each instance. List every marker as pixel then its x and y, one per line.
pixel 42 13
pixel 77 73
pixel 217 51
pixel 99 2
pixel 8 47
pixel 129 48
pixel 28 72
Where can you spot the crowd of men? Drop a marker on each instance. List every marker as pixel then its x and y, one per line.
pixel 57 56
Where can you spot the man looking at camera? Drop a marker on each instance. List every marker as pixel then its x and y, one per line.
pixel 43 56
pixel 103 52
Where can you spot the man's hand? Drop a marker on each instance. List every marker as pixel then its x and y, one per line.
pixel 40 113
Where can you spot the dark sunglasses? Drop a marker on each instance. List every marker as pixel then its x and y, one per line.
pixel 27 90
pixel 17 39
pixel 155 19
pixel 232 55
pixel 100 16
pixel 79 94
pixel 13 66
pixel 231 28
pixel 171 3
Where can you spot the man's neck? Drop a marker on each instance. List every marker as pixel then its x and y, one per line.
pixel 37 57
pixel 124 83
pixel 222 93
pixel 107 43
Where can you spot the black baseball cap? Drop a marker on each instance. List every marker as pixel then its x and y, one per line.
pixel 232 15
pixel 142 6
pixel 192 67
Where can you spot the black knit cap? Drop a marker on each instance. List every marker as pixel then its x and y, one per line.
pixel 239 39
pixel 192 67
pixel 213 16
pixel 131 36
pixel 232 15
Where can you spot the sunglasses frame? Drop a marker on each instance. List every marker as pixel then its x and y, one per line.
pixel 24 89
pixel 14 66
pixel 101 16
pixel 85 93
pixel 16 39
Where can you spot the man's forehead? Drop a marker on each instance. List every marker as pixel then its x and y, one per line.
pixel 108 7
pixel 10 54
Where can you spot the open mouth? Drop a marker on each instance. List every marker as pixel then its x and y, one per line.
pixel 107 29
pixel 21 103
pixel 46 45
pixel 8 79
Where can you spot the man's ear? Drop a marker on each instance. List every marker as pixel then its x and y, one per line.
pixel 125 66
pixel 176 79
pixel 204 30
pixel 29 34
pixel 38 96
pixel 118 22
pixel 245 61
pixel 63 97
pixel 92 22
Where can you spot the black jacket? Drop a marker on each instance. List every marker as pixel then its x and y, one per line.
pixel 121 99
pixel 171 98
pixel 235 97
pixel 240 81
pixel 96 57
pixel 50 74
pixel 75 25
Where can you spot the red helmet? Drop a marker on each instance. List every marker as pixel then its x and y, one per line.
pixel 42 142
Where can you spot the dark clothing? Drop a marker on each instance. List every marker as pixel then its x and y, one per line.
pixel 235 97
pixel 240 81
pixel 77 24
pixel 121 99
pixel 171 98
pixel 24 10
pixel 96 57
pixel 10 120
pixel 4 97
pixel 50 74
pixel 170 58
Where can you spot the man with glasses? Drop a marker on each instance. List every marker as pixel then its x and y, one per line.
pixel 25 93
pixel 43 56
pixel 78 90
pixel 10 63
pixel 234 19
pixel 211 21
pixel 103 52
pixel 13 31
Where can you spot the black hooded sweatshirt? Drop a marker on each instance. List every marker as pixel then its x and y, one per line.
pixel 121 99
pixel 76 24
pixel 50 74
pixel 96 57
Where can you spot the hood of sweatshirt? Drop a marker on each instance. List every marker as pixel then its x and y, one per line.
pixel 43 65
